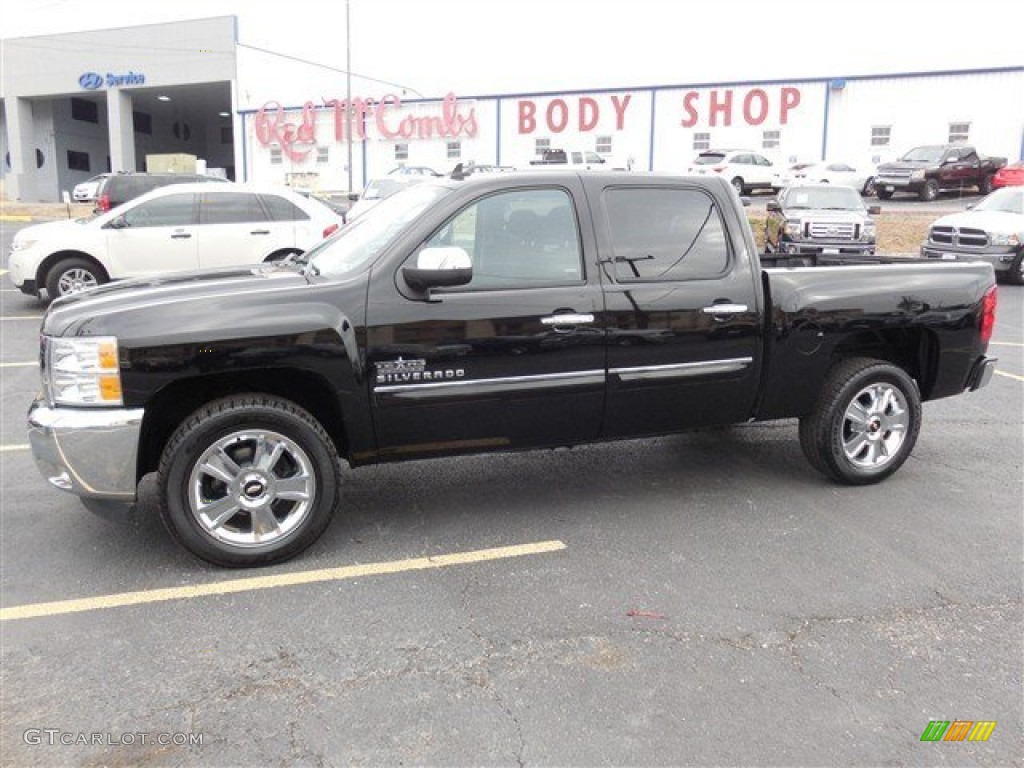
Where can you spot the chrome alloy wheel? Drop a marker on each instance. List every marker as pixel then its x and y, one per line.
pixel 874 425
pixel 251 488
pixel 75 280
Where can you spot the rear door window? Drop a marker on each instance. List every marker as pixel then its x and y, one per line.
pixel 230 208
pixel 662 233
pixel 284 210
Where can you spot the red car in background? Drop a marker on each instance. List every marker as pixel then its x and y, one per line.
pixel 1009 176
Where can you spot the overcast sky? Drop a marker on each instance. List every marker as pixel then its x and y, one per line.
pixel 481 47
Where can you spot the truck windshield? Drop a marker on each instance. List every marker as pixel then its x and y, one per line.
pixel 824 198
pixel 361 241
pixel 925 155
pixel 1006 200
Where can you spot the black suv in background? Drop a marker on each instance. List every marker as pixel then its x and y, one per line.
pixel 122 187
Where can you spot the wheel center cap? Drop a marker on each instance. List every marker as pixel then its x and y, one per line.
pixel 253 489
pixel 874 425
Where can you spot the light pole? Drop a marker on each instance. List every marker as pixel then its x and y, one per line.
pixel 348 91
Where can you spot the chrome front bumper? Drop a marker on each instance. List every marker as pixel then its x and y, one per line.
pixel 90 453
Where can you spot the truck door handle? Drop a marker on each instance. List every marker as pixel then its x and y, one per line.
pixel 566 319
pixel 260 232
pixel 725 309
pixel 181 235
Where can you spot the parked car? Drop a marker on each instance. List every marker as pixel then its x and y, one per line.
pixel 992 231
pixel 1009 176
pixel 926 171
pixel 862 178
pixel 379 189
pixel 744 169
pixel 820 219
pixel 556 159
pixel 86 191
pixel 507 312
pixel 414 170
pixel 170 229
pixel 119 188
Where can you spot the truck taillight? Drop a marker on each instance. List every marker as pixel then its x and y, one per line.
pixel 330 230
pixel 988 314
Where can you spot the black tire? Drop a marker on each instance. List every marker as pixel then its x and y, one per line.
pixel 986 184
pixel 869 187
pixel 73 275
pixel 865 423
pixel 883 194
pixel 1015 275
pixel 737 184
pixel 929 191
pixel 287 502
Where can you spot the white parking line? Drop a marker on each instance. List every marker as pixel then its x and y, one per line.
pixel 1013 376
pixel 19 365
pixel 21 317
pixel 36 610
pixel 14 447
pixel 1005 344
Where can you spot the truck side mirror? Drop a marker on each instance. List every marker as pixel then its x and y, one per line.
pixel 117 222
pixel 439 267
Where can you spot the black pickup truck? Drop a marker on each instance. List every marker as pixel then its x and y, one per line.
pixel 502 312
pixel 927 171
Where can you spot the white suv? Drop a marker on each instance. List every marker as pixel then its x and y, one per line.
pixel 171 229
pixel 745 170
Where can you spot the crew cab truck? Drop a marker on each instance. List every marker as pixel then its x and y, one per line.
pixel 927 171
pixel 498 313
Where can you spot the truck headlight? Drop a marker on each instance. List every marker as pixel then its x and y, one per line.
pixel 996 238
pixel 917 176
pixel 82 371
pixel 794 229
pixel 867 232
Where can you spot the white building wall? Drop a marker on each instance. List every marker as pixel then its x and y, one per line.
pixel 920 110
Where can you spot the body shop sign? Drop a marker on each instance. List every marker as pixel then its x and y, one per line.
pixel 704 108
pixel 297 134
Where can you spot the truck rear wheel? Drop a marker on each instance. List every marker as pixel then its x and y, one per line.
pixel 986 184
pixel 883 194
pixel 865 423
pixel 248 480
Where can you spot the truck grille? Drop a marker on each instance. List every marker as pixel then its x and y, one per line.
pixel 965 236
pixel 895 175
pixel 827 230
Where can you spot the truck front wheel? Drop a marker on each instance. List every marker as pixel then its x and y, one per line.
pixel 248 480
pixel 929 191
pixel 865 423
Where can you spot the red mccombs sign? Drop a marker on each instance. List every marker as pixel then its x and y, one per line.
pixel 716 107
pixel 272 125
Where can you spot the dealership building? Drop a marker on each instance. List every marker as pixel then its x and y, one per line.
pixel 74 105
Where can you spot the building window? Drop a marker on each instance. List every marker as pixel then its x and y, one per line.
pixel 541 146
pixel 401 152
pixel 227 134
pixel 85 110
pixel 770 139
pixel 880 135
pixel 322 155
pixel 603 145
pixel 959 132
pixel 275 156
pixel 702 141
pixel 454 150
pixel 78 161
pixel 142 122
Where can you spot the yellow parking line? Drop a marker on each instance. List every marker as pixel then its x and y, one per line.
pixel 36 610
pixel 20 447
pixel 1009 375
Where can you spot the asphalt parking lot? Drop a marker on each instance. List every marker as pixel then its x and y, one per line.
pixel 700 599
